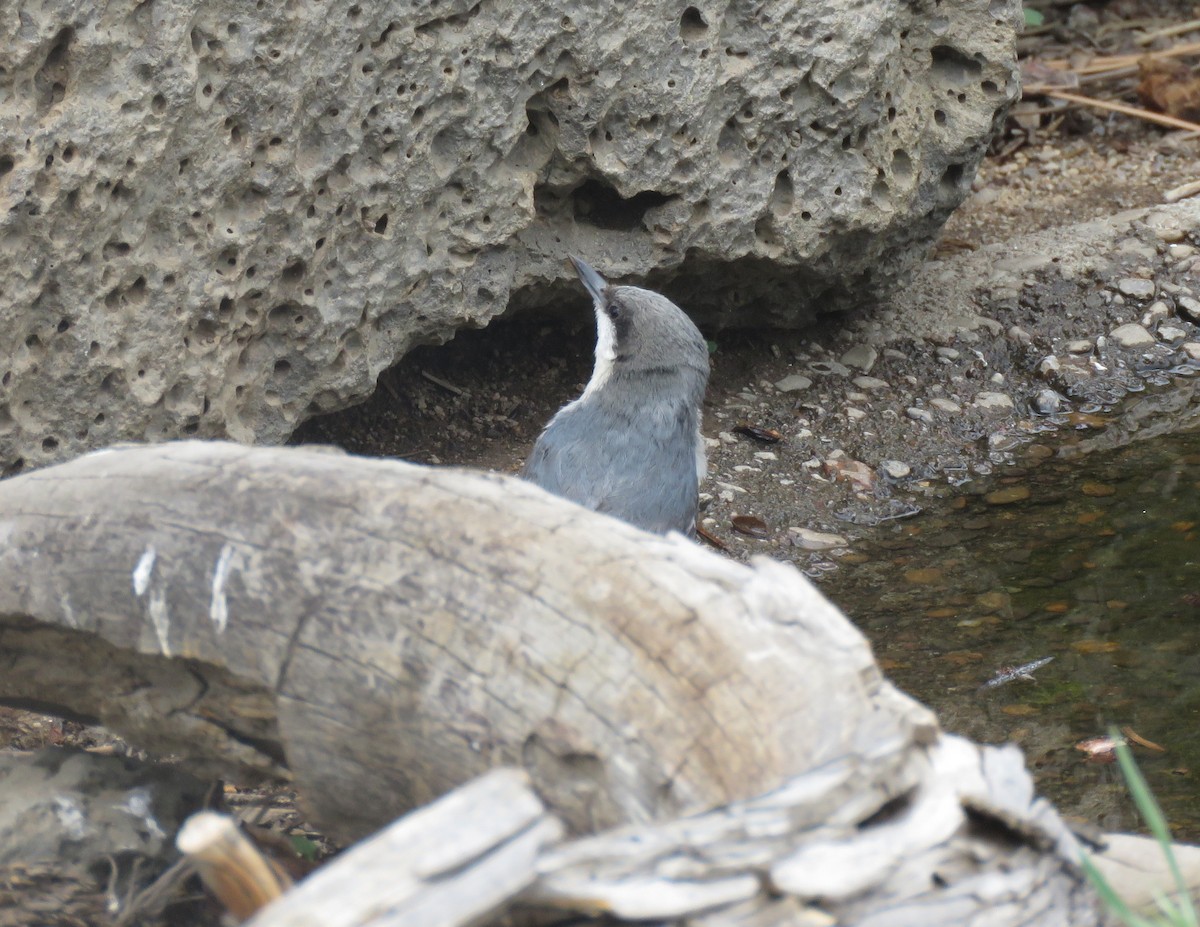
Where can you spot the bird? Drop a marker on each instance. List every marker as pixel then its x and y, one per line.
pixel 630 445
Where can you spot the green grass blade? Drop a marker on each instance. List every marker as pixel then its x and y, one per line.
pixel 1114 902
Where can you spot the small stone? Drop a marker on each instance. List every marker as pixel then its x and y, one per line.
pixel 861 356
pixel 1179 252
pixel 1157 312
pixel 1170 334
pixel 1170 234
pixel 1131 336
pixel 945 405
pixel 1136 288
pixel 1080 346
pixel 766 455
pixel 919 415
pixel 855 415
pixel 948 353
pixel 1047 402
pixel 816 540
pixel 793 383
pixel 1190 308
pixel 1192 350
pixel 893 354
pixel 993 402
pixel 1019 335
pixel 726 437
pixel 869 383
pixel 711 443
pixel 896 469
pixel 996 378
pixel 1048 366
pixel 1007 496
pixel 857 397
pixel 829 368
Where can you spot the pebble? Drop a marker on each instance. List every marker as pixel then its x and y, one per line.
pixel 1157 312
pixel 829 368
pixel 919 415
pixel 766 455
pixel 862 356
pixel 1192 350
pixel 1171 333
pixel 1131 336
pixel 1049 365
pixel 726 437
pixel 1019 335
pixel 855 415
pixel 1081 346
pixel 793 383
pixel 869 383
pixel 993 401
pixel 1190 308
pixel 816 540
pixel 1170 234
pixel 896 469
pixel 948 353
pixel 1179 252
pixel 857 397
pixel 945 405
pixel 1136 287
pixel 1047 402
pixel 1007 495
pixel 893 354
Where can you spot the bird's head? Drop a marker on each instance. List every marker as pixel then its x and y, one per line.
pixel 639 330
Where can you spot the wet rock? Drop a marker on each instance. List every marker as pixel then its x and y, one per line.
pixel 816 540
pixel 838 466
pixel 1136 288
pixel 1048 366
pixel 1192 350
pixel 861 357
pixel 1132 335
pixel 1047 402
pixel 919 415
pixel 793 383
pixel 994 402
pixel 1189 308
pixel 1171 333
pixel 829 368
pixel 1007 495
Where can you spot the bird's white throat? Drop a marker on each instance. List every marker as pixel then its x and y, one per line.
pixel 606 352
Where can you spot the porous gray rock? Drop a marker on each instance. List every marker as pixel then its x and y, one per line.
pixel 221 220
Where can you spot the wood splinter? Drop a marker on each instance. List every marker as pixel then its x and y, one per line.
pixel 230 866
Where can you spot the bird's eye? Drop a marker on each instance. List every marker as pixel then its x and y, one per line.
pixel 613 310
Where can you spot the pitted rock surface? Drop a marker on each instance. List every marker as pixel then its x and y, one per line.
pixel 218 220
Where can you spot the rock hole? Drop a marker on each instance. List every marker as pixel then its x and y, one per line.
pixel 598 204
pixel 49 444
pixel 294 271
pixel 99 419
pixel 952 67
pixel 6 164
pixel 952 178
pixel 939 116
pixel 901 164
pixel 782 196
pixel 115 249
pixel 63 325
pixel 806 215
pixel 191 428
pixel 225 307
pixel 692 24
pixel 282 368
pixel 381 224
pixel 50 81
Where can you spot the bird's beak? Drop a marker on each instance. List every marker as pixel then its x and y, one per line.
pixel 593 281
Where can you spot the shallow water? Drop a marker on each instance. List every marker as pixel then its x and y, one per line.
pixel 1091 559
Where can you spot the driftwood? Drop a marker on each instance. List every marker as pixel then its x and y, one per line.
pixel 381 633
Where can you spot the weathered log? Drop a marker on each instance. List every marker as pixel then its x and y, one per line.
pixel 482 851
pixel 382 632
pixel 451 864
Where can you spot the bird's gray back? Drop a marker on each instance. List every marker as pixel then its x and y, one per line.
pixel 635 461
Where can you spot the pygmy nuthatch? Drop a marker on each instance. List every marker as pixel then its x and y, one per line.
pixel 630 446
